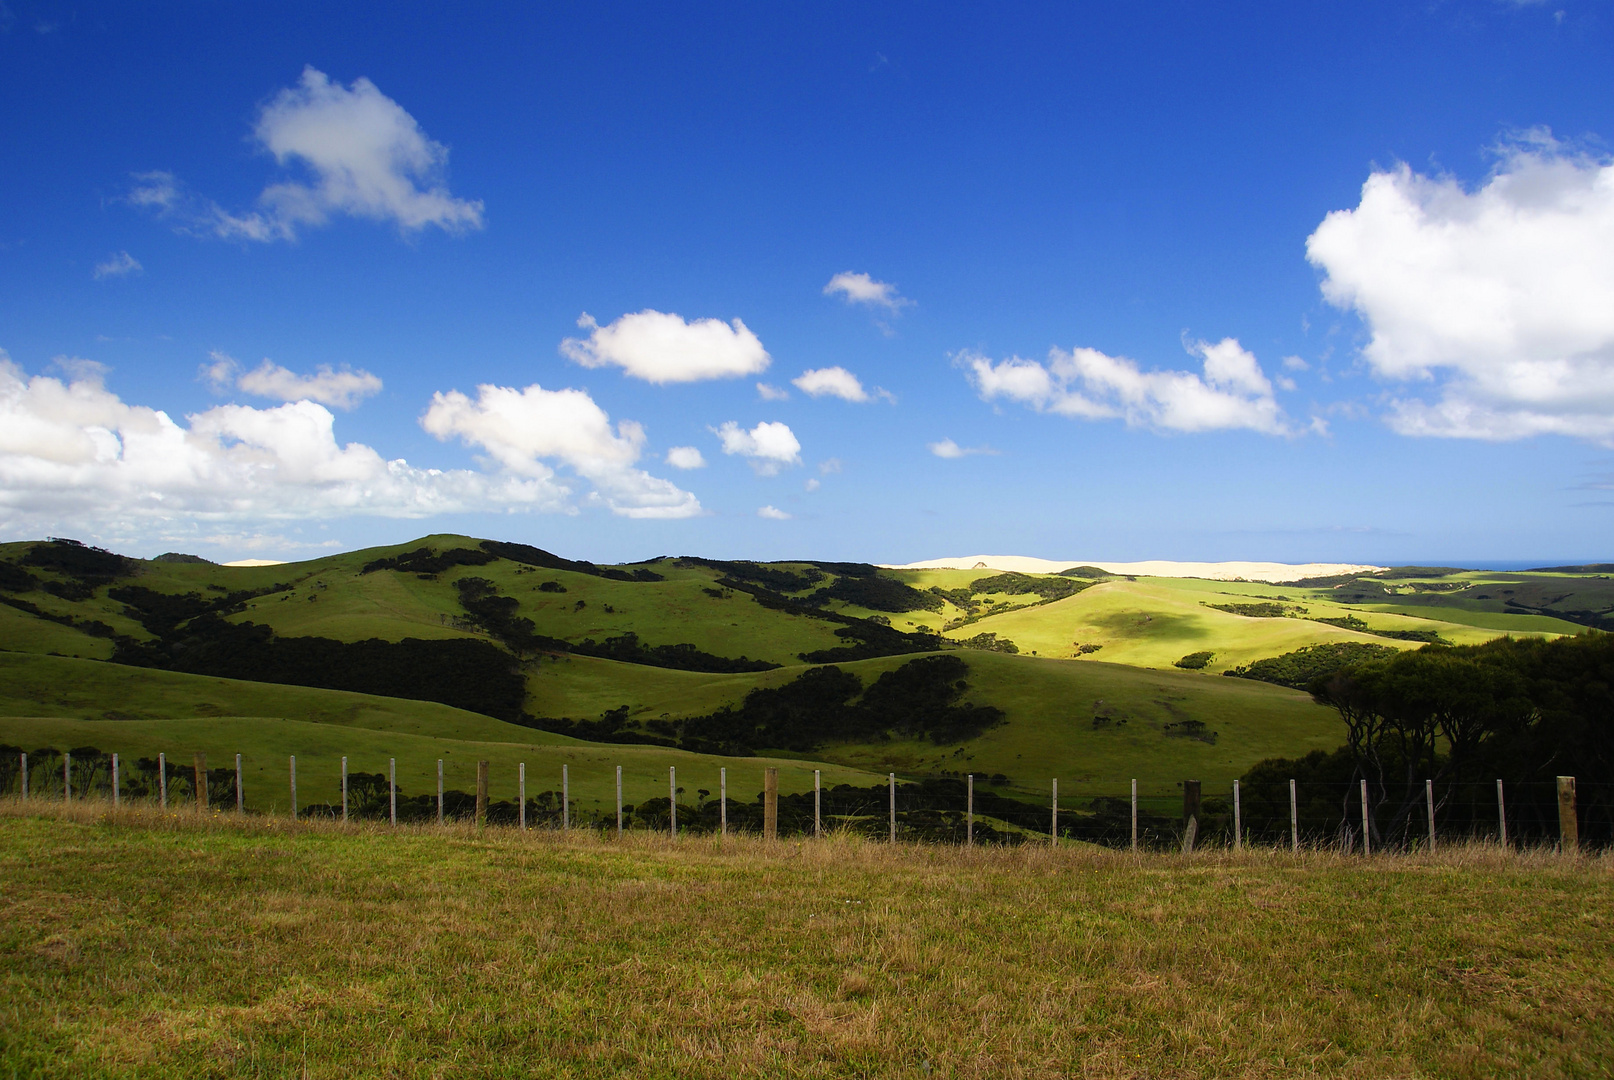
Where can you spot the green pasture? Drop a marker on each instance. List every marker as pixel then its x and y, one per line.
pixel 1065 721
pixel 1153 622
pixel 266 745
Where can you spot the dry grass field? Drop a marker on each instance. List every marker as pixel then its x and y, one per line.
pixel 136 944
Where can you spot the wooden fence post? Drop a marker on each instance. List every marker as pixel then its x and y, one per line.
pixel 162 782
pixel 1568 820
pixel 67 776
pixel 200 765
pixel 481 815
pixel 770 804
pixel 1429 799
pixel 1190 814
pixel 1294 819
pixel 565 796
pixel 722 802
pixel 116 799
pixel 1134 815
pixel 240 791
pixel 1501 817
pixel 672 799
pixel 619 802
pixel 818 803
pixel 969 812
pixel 25 777
pixel 521 792
pixel 439 791
pixel 1367 847
pixel 1053 822
pixel 293 788
pixel 344 789
pixel 392 791
pixel 893 818
pixel 1238 819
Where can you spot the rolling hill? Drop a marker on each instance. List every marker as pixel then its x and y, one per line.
pixel 453 647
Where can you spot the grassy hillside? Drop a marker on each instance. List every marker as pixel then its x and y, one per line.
pixel 57 702
pixel 1120 711
pixel 138 947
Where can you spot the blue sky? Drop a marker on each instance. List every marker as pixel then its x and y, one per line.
pixel 1180 281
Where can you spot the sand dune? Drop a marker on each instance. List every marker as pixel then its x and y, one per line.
pixel 1214 571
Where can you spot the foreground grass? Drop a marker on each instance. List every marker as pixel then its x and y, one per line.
pixel 141 945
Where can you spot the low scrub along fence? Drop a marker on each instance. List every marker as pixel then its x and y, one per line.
pixel 959 810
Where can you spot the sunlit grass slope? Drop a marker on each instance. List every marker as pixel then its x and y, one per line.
pixel 1095 726
pixel 1154 622
pixel 141 948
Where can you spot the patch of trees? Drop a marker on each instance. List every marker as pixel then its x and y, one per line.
pixel 1261 610
pixel 462 672
pixel 1351 622
pixel 1520 711
pixel 1091 572
pixel 920 699
pixel 14 578
pixel 1049 588
pixel 989 643
pixel 756 574
pixel 429 563
pixel 1394 573
pixel 181 557
pixel 681 657
pixel 528 555
pixel 1299 669
pixel 1195 661
pixel 91 565
pixel 878 594
pixel 162 613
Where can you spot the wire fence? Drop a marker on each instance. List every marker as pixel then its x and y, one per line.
pixel 945 810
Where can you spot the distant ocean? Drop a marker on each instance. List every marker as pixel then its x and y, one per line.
pixel 1513 564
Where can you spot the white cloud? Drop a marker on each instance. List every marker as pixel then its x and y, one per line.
pixel 947 448
pixel 663 348
pixel 772 513
pixel 685 457
pixel 519 428
pixel 829 466
pixel 1497 298
pixel 73 455
pixel 1233 392
pixel 836 382
pixel 770 445
pixel 363 155
pixel 813 484
pixel 342 389
pixel 1295 363
pixel 120 265
pixel 769 392
pixel 862 289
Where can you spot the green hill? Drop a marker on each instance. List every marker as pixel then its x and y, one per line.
pixel 453 647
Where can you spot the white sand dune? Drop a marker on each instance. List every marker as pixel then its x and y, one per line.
pixel 1214 571
pixel 257 562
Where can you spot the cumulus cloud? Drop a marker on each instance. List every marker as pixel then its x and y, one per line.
pixel 74 455
pixel 769 392
pixel 342 389
pixel 662 348
pixel 520 429
pixel 120 265
pixel 947 448
pixel 863 289
pixel 836 382
pixel 686 457
pixel 770 446
pixel 772 513
pixel 1232 393
pixel 360 155
pixel 1496 298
